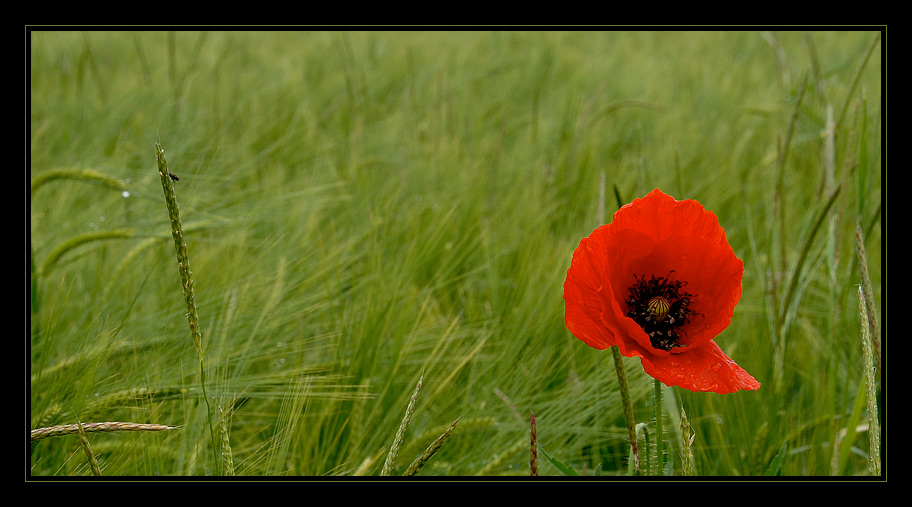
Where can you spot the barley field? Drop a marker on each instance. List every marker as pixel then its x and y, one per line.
pixel 322 254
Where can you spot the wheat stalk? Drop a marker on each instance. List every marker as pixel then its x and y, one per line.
pixel 97 427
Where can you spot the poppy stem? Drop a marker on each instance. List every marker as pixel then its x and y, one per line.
pixel 628 408
pixel 660 451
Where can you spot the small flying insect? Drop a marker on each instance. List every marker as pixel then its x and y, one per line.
pixel 173 176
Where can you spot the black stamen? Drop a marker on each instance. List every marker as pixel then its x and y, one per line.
pixel 660 307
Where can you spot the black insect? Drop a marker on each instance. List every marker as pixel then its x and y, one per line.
pixel 173 177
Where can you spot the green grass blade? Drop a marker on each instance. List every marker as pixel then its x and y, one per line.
pixel 560 465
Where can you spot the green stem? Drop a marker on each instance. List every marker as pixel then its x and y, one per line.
pixel 183 264
pixel 660 451
pixel 628 407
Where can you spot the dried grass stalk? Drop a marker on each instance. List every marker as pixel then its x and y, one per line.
pixel 71 429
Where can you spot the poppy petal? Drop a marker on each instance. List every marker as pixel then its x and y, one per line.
pixel 701 369
pixel 626 250
pixel 581 292
pixel 661 216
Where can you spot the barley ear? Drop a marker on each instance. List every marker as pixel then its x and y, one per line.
pixel 428 453
pixel 183 264
pixel 180 247
pixel 400 433
pixel 870 309
pixel 224 425
pixel 870 385
pixel 688 435
pixel 72 429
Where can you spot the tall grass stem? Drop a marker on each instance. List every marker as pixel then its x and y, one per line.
pixel 183 263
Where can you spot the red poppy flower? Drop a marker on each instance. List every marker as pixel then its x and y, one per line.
pixel 660 282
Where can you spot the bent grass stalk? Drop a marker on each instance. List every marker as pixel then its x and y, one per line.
pixel 183 263
pixel 85 175
pixel 644 428
pixel 80 240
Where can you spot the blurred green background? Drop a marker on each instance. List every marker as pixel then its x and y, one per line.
pixel 362 208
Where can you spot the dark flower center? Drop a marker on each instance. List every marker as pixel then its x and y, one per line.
pixel 660 307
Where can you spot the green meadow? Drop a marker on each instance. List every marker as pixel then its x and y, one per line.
pixel 378 227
